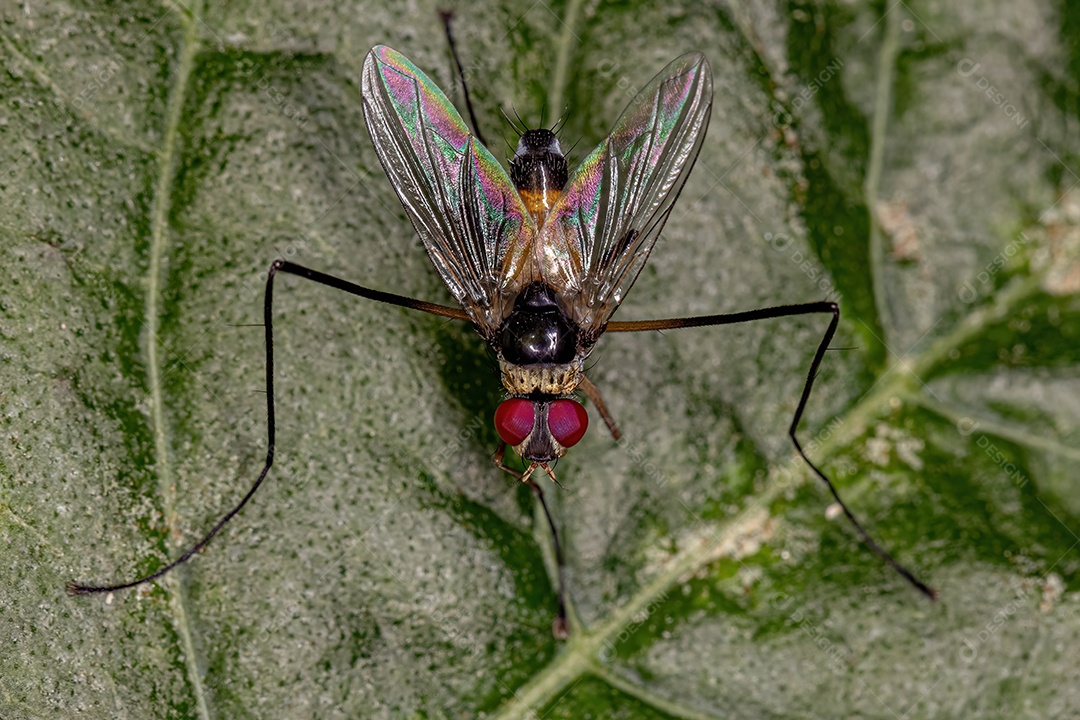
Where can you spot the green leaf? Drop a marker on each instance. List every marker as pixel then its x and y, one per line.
pixel 916 162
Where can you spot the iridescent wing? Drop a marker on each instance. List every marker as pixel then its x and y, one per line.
pixel 600 231
pixel 460 200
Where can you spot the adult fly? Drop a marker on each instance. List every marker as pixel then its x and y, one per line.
pixel 538 258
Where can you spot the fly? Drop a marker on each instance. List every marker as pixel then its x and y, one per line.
pixel 539 258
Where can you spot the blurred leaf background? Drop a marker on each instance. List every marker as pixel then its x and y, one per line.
pixel 916 161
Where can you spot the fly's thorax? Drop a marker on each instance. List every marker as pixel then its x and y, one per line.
pixel 538 171
pixel 539 347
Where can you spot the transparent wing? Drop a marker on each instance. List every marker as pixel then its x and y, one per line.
pixel 601 230
pixel 460 200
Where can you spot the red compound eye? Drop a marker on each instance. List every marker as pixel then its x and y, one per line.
pixel 567 421
pixel 514 420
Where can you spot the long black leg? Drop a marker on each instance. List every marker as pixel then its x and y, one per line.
pixel 777 312
pixel 560 628
pixel 447 17
pixel 283 266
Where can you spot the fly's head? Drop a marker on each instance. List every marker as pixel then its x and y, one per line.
pixel 541 429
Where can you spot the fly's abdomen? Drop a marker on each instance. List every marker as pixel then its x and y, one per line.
pixel 538 170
